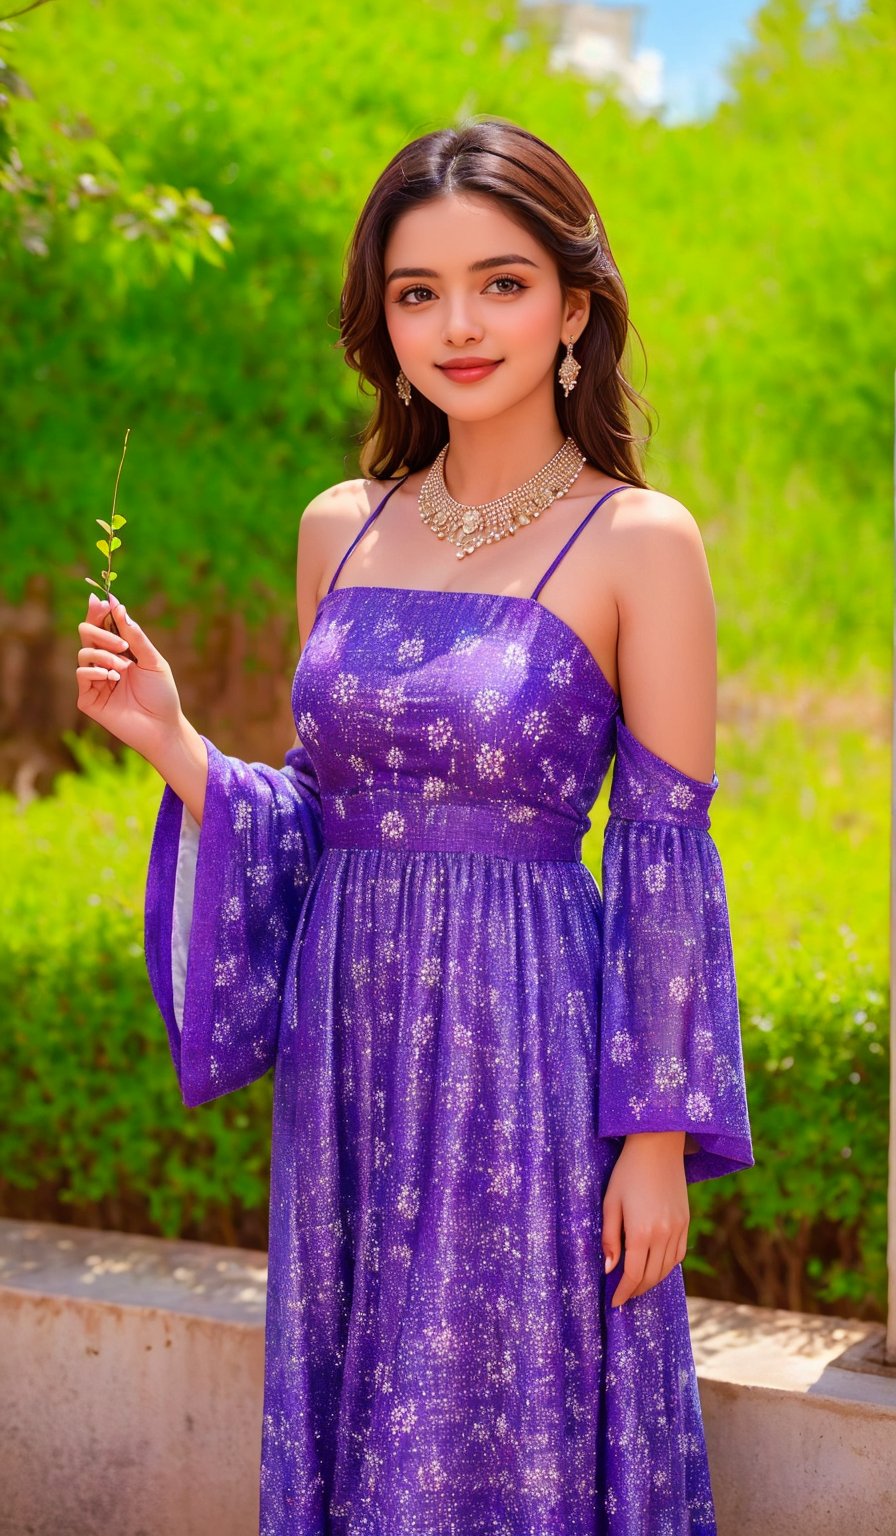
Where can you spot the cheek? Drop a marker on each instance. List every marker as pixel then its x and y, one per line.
pixel 409 332
pixel 391 327
pixel 535 325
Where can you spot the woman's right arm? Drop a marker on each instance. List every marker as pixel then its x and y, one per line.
pixel 183 764
pixel 234 852
pixel 138 701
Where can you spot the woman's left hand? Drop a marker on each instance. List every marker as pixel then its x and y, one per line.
pixel 646 1196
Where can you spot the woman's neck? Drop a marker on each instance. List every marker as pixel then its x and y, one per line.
pixel 487 459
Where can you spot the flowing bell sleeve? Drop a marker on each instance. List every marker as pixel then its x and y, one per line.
pixel 223 901
pixel 671 1055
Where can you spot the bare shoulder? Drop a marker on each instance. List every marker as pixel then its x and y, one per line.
pixel 339 506
pixel 335 506
pixel 667 630
pixel 327 526
pixel 643 515
pixel 659 550
pixel 334 498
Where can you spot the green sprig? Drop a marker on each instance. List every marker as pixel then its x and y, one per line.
pixel 111 542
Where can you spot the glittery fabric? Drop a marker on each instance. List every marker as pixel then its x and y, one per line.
pixel 463 1029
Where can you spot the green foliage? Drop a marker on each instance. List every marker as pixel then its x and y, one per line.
pixel 818 1064
pixel 91 1100
pixel 57 171
pixel 755 247
pixel 803 827
pixel 801 822
pixel 757 253
pixel 91 1105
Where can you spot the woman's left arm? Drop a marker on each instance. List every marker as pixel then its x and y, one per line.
pixel 671 1065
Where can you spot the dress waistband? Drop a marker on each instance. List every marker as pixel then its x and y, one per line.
pixel 408 820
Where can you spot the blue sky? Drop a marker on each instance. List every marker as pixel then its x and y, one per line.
pixel 695 37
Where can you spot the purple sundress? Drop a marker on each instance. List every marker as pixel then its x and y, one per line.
pixel 463 1030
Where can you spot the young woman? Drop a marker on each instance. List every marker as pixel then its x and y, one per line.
pixel 493 1082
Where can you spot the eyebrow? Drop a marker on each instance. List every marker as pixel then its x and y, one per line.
pixel 476 266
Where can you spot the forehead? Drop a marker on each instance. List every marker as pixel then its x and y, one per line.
pixel 456 228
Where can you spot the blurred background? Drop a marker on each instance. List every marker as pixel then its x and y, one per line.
pixel 178 186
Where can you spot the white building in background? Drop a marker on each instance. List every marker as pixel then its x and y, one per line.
pixel 599 42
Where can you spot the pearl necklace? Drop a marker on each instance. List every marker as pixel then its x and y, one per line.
pixel 490 521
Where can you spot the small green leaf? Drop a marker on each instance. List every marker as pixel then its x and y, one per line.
pixel 112 575
pixel 116 543
pixel 118 521
pixel 102 546
pixel 104 525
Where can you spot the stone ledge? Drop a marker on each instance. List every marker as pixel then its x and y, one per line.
pixel 81 1263
pixel 800 1352
pixel 131 1395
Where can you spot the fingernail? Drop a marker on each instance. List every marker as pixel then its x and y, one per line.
pixel 608 1265
pixel 114 677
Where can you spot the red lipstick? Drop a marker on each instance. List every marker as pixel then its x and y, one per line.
pixel 468 369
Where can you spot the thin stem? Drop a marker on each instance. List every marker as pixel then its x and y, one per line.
pixel 108 571
pixel 32 7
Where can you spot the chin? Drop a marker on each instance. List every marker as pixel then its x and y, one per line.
pixel 478 409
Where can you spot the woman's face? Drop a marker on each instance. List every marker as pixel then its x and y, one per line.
pixel 509 311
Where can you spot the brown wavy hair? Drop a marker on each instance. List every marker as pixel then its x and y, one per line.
pixel 535 186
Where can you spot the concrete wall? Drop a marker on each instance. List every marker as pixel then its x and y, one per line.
pixel 131 1376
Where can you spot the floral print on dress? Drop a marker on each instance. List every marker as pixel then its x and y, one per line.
pixel 463 1026
pixel 669 986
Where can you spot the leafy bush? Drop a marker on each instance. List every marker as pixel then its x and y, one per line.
pixel 94 1118
pixel 756 248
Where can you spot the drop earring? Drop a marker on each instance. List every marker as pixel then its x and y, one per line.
pixel 403 385
pixel 569 370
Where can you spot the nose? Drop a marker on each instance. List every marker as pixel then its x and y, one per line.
pixel 461 327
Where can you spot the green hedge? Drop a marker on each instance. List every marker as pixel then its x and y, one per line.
pixel 92 1115
pixel 756 251
pixel 756 248
pixel 94 1126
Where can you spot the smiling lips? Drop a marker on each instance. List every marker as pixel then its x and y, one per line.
pixel 467 369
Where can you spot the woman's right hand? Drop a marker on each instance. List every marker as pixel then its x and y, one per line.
pixel 143 707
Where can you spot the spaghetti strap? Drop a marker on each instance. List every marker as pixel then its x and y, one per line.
pixel 575 534
pixel 363 529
